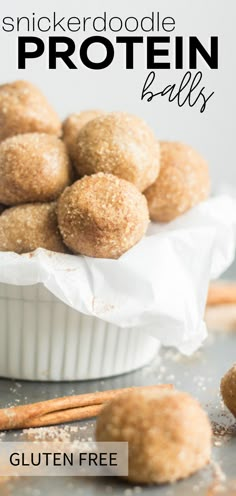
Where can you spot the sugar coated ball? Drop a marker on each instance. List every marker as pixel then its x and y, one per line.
pixel 228 389
pixel 168 434
pixel 33 167
pixel 102 216
pixel 183 182
pixel 73 124
pixel 27 227
pixel 24 109
pixel 120 144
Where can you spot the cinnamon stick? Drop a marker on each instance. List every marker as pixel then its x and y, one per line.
pixel 63 416
pixel 221 293
pixel 61 410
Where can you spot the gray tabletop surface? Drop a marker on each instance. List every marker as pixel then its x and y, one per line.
pixel 199 375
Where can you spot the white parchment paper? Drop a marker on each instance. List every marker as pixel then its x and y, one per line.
pixel 160 284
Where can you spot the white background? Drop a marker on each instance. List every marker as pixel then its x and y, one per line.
pixel 115 88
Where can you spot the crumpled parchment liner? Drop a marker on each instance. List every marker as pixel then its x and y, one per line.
pixel 160 284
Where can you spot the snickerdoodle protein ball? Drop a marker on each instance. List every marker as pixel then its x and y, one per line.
pixel 27 227
pixel 33 167
pixel 168 434
pixel 24 109
pixel 228 389
pixel 73 124
pixel 120 144
pixel 102 216
pixel 183 182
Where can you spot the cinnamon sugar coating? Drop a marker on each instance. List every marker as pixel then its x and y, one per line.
pixel 183 182
pixel 169 434
pixel 102 216
pixel 72 125
pixel 120 144
pixel 33 167
pixel 228 389
pixel 27 227
pixel 24 109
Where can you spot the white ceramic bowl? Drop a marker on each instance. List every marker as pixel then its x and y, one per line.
pixel 43 339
